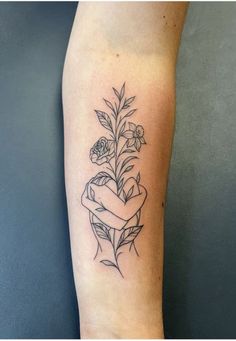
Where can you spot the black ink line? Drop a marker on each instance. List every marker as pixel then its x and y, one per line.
pixel 117 159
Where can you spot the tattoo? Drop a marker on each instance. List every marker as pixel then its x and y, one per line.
pixel 113 197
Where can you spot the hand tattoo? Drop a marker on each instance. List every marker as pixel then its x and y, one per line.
pixel 113 197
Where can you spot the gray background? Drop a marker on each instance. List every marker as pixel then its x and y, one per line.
pixel 37 296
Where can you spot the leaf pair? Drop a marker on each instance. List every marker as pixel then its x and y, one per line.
pixel 129 194
pixel 129 235
pixel 127 102
pixel 120 94
pixel 124 163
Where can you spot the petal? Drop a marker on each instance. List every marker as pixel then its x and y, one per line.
pixel 109 157
pixel 128 134
pixel 105 153
pixel 132 126
pixel 130 142
pixel 142 140
pixel 111 145
pixel 140 131
pixel 137 144
pixel 93 157
pixel 101 160
pixel 103 139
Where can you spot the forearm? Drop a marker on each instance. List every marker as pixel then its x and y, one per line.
pixel 106 48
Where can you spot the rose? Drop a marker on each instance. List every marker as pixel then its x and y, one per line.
pixel 115 211
pixel 102 151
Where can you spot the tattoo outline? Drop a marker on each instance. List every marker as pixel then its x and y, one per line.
pixel 115 199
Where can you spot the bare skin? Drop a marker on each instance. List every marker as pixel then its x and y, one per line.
pixel 113 43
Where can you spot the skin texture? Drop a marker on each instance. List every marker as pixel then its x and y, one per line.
pixel 111 43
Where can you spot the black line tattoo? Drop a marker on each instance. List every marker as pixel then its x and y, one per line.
pixel 113 197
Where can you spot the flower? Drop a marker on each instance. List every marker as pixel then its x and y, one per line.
pixel 102 151
pixel 134 136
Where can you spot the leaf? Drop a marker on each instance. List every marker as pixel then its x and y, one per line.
pixel 130 113
pixel 129 100
pixel 101 178
pixel 122 91
pixel 127 160
pixel 120 183
pixel 92 193
pixel 120 253
pixel 130 192
pixel 102 231
pixel 122 128
pixel 128 169
pixel 138 178
pixel 128 151
pixel 104 119
pixel 124 195
pixel 116 93
pixel 116 108
pixel 108 103
pixel 125 106
pixel 108 263
pixel 100 209
pixel 129 235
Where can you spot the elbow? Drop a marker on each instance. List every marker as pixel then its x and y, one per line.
pixel 126 217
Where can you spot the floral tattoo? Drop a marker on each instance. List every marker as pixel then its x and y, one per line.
pixel 113 197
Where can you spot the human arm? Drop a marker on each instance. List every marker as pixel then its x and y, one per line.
pixel 112 43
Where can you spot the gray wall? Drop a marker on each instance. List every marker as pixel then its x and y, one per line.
pixel 37 296
pixel 200 241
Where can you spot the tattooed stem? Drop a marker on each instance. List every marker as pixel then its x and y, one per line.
pixel 122 149
pixel 116 259
pixel 116 144
pixel 98 248
pixel 125 138
pixel 112 169
pixel 114 247
pixel 114 238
